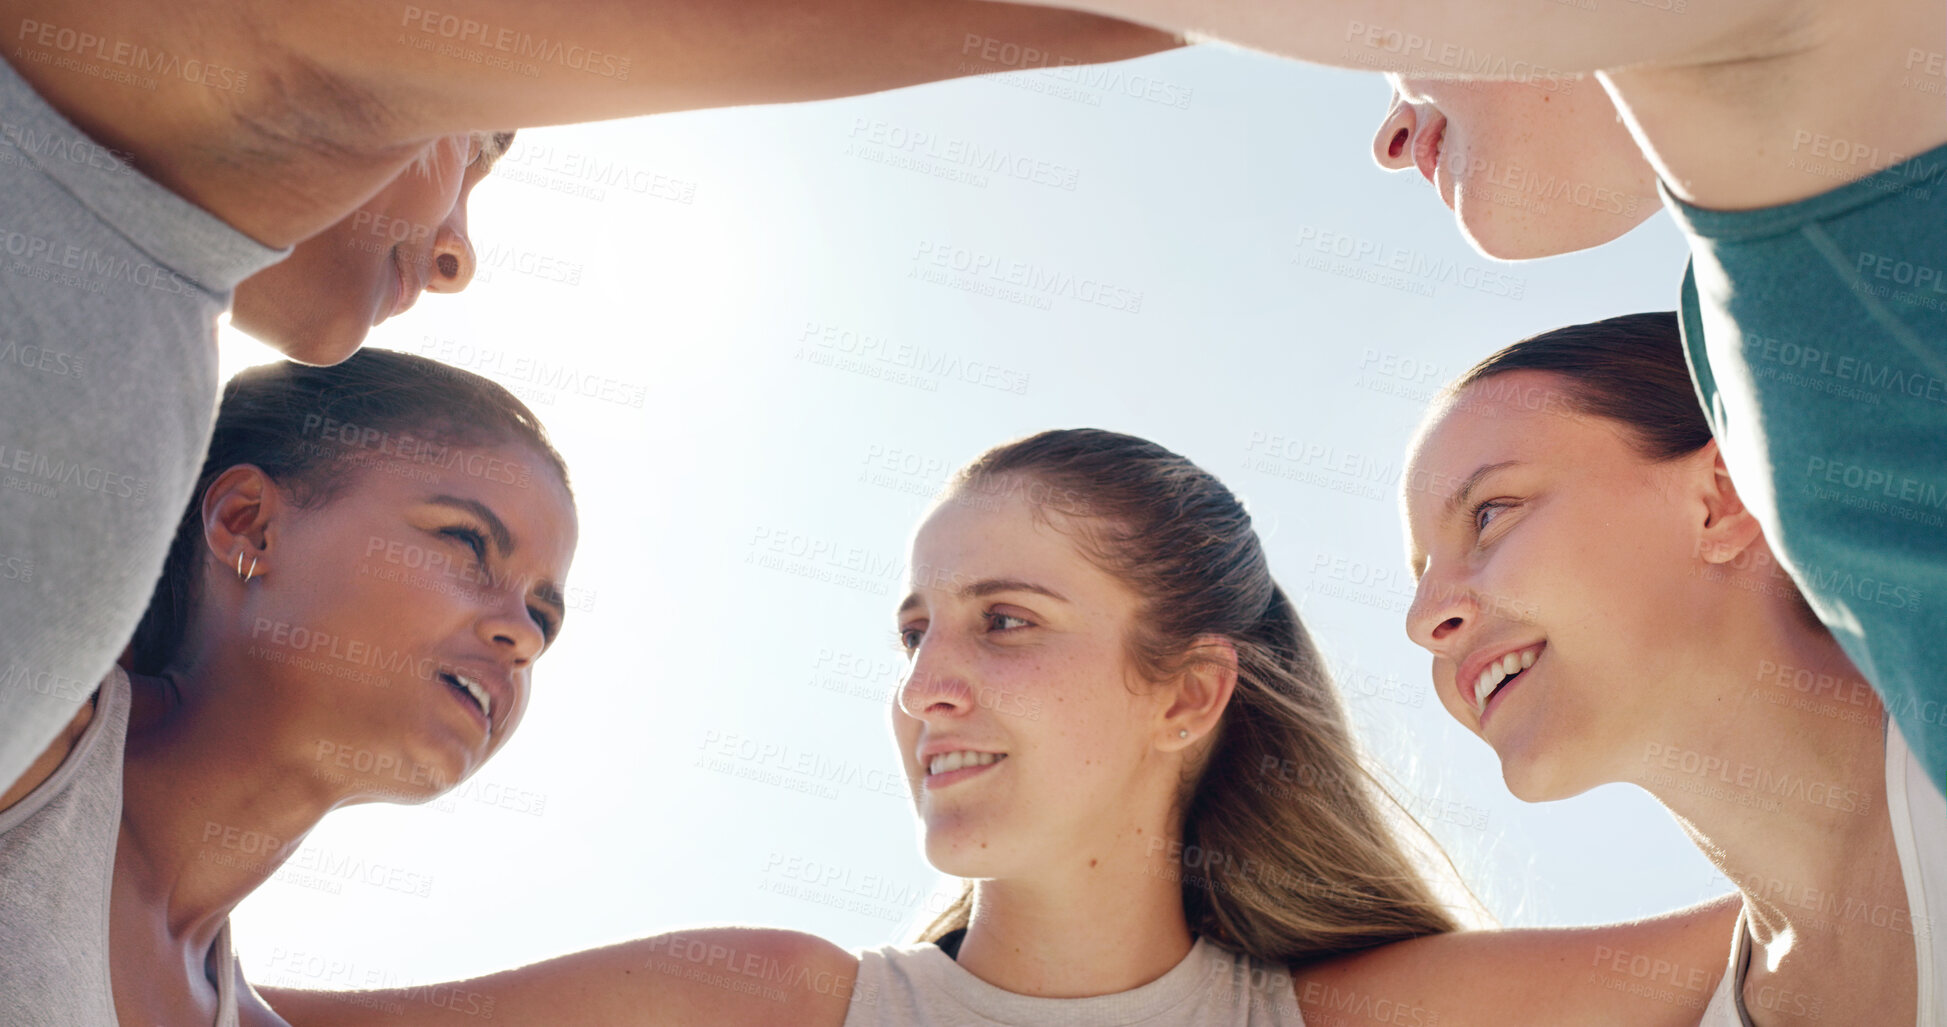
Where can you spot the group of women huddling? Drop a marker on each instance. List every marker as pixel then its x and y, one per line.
pixel 1623 576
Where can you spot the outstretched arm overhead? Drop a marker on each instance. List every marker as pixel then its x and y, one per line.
pixel 296 112
pixel 753 977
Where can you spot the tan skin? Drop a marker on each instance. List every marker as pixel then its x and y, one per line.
pixel 1016 645
pixel 333 105
pixel 1724 99
pixel 1657 607
pixel 233 742
pixel 318 304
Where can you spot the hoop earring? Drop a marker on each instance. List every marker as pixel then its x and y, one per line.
pixel 241 573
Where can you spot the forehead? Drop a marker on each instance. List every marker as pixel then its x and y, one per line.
pixel 998 530
pixel 512 481
pixel 1525 416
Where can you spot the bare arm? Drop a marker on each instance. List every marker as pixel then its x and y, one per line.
pixel 744 976
pixel 1499 39
pixel 296 112
pixel 1646 973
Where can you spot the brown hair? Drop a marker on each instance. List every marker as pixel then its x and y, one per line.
pixel 1288 853
pixel 1629 369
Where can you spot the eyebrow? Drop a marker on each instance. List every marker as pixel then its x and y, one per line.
pixel 546 590
pixel 1416 561
pixel 1466 489
pixel 493 146
pixel 503 539
pixel 989 586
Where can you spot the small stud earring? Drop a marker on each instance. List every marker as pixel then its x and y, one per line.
pixel 1183 732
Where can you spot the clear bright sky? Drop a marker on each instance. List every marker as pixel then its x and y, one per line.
pixel 763 337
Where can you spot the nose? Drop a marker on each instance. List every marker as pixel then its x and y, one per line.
pixel 935 685
pixel 510 631
pixel 1392 145
pixel 453 258
pixel 1440 612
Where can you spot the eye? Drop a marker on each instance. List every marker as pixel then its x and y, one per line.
pixel 470 537
pixel 994 619
pixel 546 622
pixel 908 639
pixel 1484 512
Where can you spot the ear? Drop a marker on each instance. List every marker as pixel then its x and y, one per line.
pixel 240 511
pixel 1729 528
pixel 1201 693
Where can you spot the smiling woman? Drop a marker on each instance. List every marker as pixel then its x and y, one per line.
pixel 1602 607
pixel 350 613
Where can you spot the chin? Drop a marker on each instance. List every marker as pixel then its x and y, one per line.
pixel 318 344
pixel 1539 779
pixel 1530 236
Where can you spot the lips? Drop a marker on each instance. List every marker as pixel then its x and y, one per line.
pixel 1426 147
pixel 482 692
pixel 1482 678
pixel 947 763
pixel 408 289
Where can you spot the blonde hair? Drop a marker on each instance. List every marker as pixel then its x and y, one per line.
pixel 1289 852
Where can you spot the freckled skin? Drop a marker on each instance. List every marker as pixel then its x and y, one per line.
pixel 1071 777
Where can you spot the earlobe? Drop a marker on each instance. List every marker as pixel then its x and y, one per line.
pixel 239 508
pixel 1201 694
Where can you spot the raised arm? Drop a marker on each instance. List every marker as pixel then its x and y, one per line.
pixel 1499 39
pixel 1647 973
pixel 281 117
pixel 744 976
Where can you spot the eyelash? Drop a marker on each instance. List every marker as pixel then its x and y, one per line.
pixel 899 638
pixel 1474 517
pixel 478 543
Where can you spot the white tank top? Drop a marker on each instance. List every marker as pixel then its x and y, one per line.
pixel 1919 814
pixel 921 986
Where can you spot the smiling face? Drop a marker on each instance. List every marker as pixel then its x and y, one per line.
pixel 392 633
pixel 1016 643
pixel 1530 169
pixel 1543 533
pixel 317 304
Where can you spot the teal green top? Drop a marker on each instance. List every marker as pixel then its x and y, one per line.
pixel 1817 336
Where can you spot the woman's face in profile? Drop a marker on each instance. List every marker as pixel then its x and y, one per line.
pixel 1015 642
pixel 1530 168
pixel 317 304
pixel 397 625
pixel 1540 533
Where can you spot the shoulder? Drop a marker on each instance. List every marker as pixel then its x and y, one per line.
pixel 1587 975
pixel 51 758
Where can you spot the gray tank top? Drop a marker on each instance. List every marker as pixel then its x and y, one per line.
pixel 921 986
pixel 110 286
pixel 57 859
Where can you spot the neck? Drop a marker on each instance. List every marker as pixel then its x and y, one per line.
pixel 1777 772
pixel 1102 920
pixel 212 803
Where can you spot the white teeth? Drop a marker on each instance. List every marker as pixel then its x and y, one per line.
pixel 1482 688
pixel 947 762
pixel 478 693
pixel 1499 671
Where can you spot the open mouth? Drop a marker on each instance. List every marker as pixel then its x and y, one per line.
pixel 1503 672
pixel 471 691
pixel 950 767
